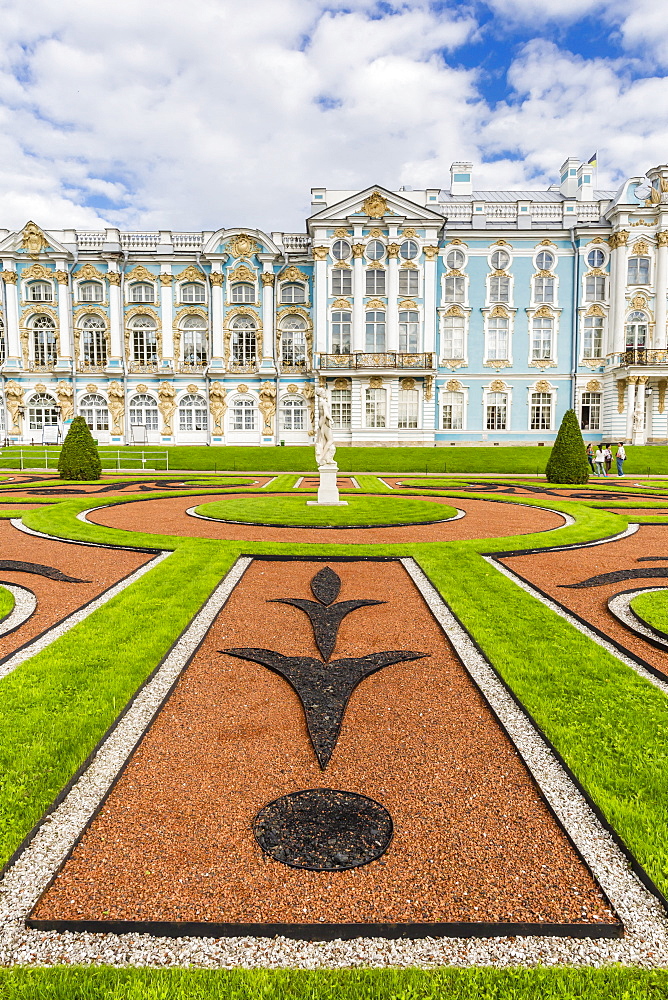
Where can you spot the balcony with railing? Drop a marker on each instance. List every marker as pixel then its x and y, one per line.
pixel 643 356
pixel 196 367
pixel 386 359
pixel 143 368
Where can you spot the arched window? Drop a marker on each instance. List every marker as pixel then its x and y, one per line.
pixel 293 414
pixel 293 291
pixel 144 341
pixel 541 411
pixel 44 340
pixel 342 281
pixel 542 335
pixel 40 291
pixel 293 341
pixel 593 337
pixel 90 291
pixel 243 414
pixel 636 331
pixel 142 291
pixel 499 288
pixel 497 411
pixel 341 405
pixel 497 338
pixel 3 346
pixel 409 331
pixel 243 291
pixel 375 407
pixel 244 341
pixel 408 282
pixel 193 291
pixel 375 333
pixel 590 411
pixel 408 407
pixel 94 341
pixel 453 337
pixel 375 281
pixel 194 341
pixel 42 412
pixel 341 328
pixel 638 271
pixel 452 406
pixel 93 408
pixel 543 289
pixel 144 411
pixel 193 413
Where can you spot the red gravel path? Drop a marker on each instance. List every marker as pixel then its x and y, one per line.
pixel 549 569
pixel 473 839
pixel 483 520
pixel 56 600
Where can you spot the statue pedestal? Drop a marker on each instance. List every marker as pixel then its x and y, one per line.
pixel 328 491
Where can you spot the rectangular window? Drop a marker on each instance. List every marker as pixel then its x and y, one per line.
pixel 454 289
pixel 408 282
pixel 541 342
pixel 375 332
pixel 543 289
pixel 341 407
pixel 453 410
pixel 341 328
pixel 499 288
pixel 453 337
pixel 375 282
pixel 243 416
pixel 375 407
pixel 408 407
pixel 594 288
pixel 497 411
pixel 342 281
pixel 593 337
pixel 541 411
pixel 590 413
pixel 638 271
pixel 497 338
pixel 409 331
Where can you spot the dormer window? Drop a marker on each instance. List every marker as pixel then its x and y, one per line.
pixel 243 291
pixel 91 291
pixel 193 291
pixel 293 292
pixel 40 291
pixel 638 271
pixel 142 291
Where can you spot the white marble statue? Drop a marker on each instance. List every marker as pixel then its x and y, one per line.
pixel 324 437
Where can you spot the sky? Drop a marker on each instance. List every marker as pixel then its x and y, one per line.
pixel 158 114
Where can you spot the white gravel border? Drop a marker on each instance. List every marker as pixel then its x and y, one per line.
pixel 25 603
pixel 645 942
pixel 619 606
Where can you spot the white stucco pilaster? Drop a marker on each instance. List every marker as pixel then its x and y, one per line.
pixel 430 300
pixel 115 319
pixel 358 299
pixel 13 337
pixel 392 302
pixel 65 338
pixel 167 316
pixel 660 338
pixel 618 260
pixel 322 344
pixel 268 363
pixel 217 360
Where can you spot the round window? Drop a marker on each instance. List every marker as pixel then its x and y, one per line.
pixel 596 258
pixel 500 260
pixel 375 250
pixel 545 260
pixel 341 250
pixel 409 249
pixel 455 260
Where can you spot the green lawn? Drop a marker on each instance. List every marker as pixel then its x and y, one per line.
pixel 652 608
pixel 294 510
pixel 6 603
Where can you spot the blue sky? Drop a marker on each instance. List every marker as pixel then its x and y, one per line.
pixel 154 114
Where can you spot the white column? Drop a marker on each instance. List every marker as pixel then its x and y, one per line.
pixel 217 360
pixel 639 414
pixel 661 288
pixel 64 318
pixel 115 319
pixel 630 405
pixel 393 298
pixel 12 320
pixel 167 317
pixel 358 298
pixel 618 290
pixel 431 255
pixel 322 344
pixel 268 363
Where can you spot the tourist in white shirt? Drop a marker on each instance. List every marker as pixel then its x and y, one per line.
pixel 621 458
pixel 599 462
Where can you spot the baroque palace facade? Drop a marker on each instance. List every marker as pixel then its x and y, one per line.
pixel 433 317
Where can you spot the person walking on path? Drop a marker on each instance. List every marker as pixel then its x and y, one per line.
pixel 590 456
pixel 607 455
pixel 621 458
pixel 599 462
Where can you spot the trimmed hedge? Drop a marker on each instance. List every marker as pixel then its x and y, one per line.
pixel 568 461
pixel 79 458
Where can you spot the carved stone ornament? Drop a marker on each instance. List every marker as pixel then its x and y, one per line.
pixel 430 252
pixel 544 312
pixel 542 364
pixel 358 249
pixel 140 273
pixel 341 383
pixel 375 304
pixel 455 310
pixel 409 233
pixel 308 391
pixel 65 395
pixel 662 238
pixel 166 279
pixel 190 273
pixel 453 363
pixel 454 385
pixel 88 272
pixel 167 405
pixel 341 304
pixel 593 385
pixel 639 301
pixel 662 395
pixel 644 222
pixel 267 278
pixel 542 386
pixel 594 311
pixel 547 243
pixel 91 387
pixel 62 277
pixel 14 397
pixel 375 265
pixel 217 278
pixel 37 271
pixel 618 239
pixel 497 385
pixel 116 406
pixel 113 277
pixel 596 272
pixel 500 311
pixel 393 250
pixel 621 394
pixel 267 406
pixel 375 233
pixel 40 388
pixel 242 245
pixel 501 243
pixel 408 264
pixel 341 234
pixel 293 273
pixel 497 364
pixel 428 386
pixel 407 383
pixel 243 389
pixel 218 405
pixel 641 247
pixel 320 253
pixel 33 240
pixel 375 382
pixel 455 273
pixel 241 273
pixel 293 389
pixel 142 388
pixel 592 363
pixel 11 277
pixel 192 389
pixel 375 206
pixel 407 304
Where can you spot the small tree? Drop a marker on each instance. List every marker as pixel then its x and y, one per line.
pixel 79 457
pixel 568 461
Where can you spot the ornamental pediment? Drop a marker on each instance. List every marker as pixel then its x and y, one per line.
pixel 32 242
pixel 377 203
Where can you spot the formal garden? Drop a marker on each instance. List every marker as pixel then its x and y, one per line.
pixel 413 745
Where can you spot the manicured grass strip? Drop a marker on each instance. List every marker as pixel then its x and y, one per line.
pixel 652 608
pixel 294 510
pixel 64 983
pixel 6 602
pixel 56 706
pixel 280 484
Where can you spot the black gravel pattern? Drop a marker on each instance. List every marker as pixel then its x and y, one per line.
pixel 16 566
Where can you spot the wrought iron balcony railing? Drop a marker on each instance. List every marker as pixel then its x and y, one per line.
pixel 387 359
pixel 645 356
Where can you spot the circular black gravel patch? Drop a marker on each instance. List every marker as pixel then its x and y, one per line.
pixel 322 829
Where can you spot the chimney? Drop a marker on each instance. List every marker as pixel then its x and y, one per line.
pixel 461 178
pixel 568 176
pixel 585 190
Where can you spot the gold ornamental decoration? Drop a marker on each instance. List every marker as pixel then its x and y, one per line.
pixel 116 397
pixel 593 385
pixel 500 311
pixel 662 395
pixel 267 405
pixel 292 389
pixel 407 384
pixel 375 304
pixel 218 405
pixel 547 243
pixel 91 387
pixel 454 385
pixel 166 279
pixel 594 311
pixel 88 272
pixel 114 278
pixel 14 397
pixel 62 277
pixel 375 206
pixel 641 247
pixel 430 252
pixel 140 273
pixel 407 304
pixel 267 278
pixel 217 278
pixel 618 239
pixel 544 313
pixel 33 240
pixel 341 304
pixel 241 273
pixel 375 233
pixel 341 234
pixel 292 273
pixel 11 277
pixel 393 250
pixel 662 238
pixel 142 388
pixel 639 301
pixel 341 383
pixel 242 388
pixel 192 389
pixel 242 245
pixel 455 311
pixel 37 271
pixel 320 253
pixel 358 249
pixel 543 386
pixel 375 382
pixel 428 386
pixel 375 265
pixel 190 273
pixel 65 395
pixel 621 394
pixel 497 385
pixel 410 234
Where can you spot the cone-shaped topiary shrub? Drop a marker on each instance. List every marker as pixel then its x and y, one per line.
pixel 568 461
pixel 79 458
